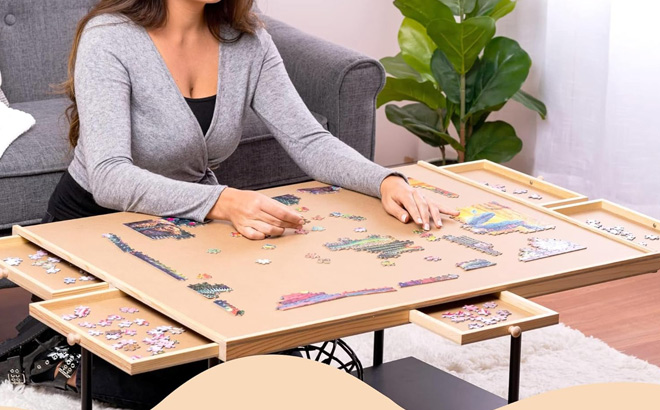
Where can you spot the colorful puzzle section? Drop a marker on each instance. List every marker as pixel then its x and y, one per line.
pixel 493 218
pixel 296 300
pixel 385 247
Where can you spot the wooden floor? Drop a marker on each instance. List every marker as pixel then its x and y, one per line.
pixel 625 313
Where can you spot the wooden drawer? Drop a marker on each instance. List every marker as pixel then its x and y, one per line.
pixel 35 279
pixel 610 215
pixel 190 346
pixel 523 313
pixel 485 171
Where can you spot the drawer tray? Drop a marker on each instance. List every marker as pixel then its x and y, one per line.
pixel 523 313
pixel 611 215
pixel 485 171
pixel 36 279
pixel 189 345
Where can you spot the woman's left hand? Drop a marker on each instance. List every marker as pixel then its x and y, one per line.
pixel 406 203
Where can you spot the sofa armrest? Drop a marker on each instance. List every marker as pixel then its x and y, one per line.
pixel 333 81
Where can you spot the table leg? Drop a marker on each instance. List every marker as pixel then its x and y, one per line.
pixel 514 366
pixel 214 361
pixel 86 379
pixel 379 341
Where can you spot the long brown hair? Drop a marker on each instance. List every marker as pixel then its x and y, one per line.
pixel 151 14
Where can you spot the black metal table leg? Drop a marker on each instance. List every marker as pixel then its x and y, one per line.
pixel 514 364
pixel 214 361
pixel 379 341
pixel 86 379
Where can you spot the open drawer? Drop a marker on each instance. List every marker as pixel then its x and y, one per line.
pixel 515 183
pixel 43 274
pixel 617 220
pixel 463 322
pixel 123 331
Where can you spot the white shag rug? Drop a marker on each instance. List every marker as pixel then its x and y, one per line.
pixel 552 358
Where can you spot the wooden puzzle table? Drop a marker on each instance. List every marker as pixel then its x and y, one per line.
pixel 162 294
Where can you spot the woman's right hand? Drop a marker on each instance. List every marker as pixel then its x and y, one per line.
pixel 254 215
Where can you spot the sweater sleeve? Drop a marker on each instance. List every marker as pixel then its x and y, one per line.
pixel 103 96
pixel 321 155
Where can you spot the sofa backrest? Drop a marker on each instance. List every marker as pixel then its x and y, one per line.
pixel 35 41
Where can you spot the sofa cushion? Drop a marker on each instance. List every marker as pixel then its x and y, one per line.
pixel 42 149
pixel 35 41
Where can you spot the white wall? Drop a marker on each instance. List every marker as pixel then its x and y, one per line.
pixel 371 26
pixel 367 26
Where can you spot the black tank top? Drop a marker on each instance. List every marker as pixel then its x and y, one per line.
pixel 203 109
pixel 71 201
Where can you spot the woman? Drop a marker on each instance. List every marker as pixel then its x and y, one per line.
pixel 159 89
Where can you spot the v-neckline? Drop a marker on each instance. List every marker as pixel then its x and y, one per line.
pixel 181 98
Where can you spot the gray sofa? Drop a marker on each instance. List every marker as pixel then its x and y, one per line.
pixel 338 85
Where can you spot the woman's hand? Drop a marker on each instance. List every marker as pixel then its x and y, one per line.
pixel 405 203
pixel 254 215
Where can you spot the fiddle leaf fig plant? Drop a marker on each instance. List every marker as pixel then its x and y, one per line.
pixel 456 73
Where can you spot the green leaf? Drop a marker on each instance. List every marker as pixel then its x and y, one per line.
pixel 416 47
pixel 455 6
pixel 451 109
pixel 471 79
pixel 493 8
pixel 422 11
pixel 503 69
pixel 503 8
pixel 484 8
pixel 397 67
pixel 440 138
pixel 496 141
pixel 419 112
pixel 397 89
pixel 421 121
pixel 446 76
pixel 531 103
pixel 461 42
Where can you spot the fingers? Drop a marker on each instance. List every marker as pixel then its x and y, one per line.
pixel 447 211
pixel 258 230
pixel 394 209
pixel 435 214
pixel 281 213
pixel 250 233
pixel 271 220
pixel 423 209
pixel 408 202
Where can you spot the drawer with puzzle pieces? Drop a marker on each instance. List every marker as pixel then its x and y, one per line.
pixel 616 220
pixel 484 317
pixel 42 273
pixel 123 331
pixel 529 189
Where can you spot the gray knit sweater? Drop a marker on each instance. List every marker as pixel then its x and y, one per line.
pixel 141 148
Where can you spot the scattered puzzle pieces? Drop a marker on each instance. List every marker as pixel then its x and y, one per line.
pixel 320 190
pixel 475 264
pixel 296 300
pixel 539 248
pixel 422 185
pixel 229 307
pixel 425 281
pixel 287 199
pixel 13 261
